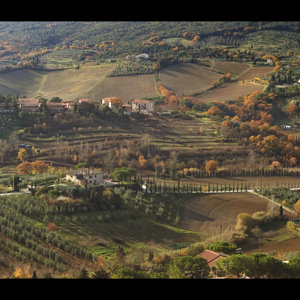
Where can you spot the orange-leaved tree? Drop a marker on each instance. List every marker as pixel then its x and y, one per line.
pixel 214 111
pixel 39 167
pixel 297 207
pixel 24 168
pixel 211 166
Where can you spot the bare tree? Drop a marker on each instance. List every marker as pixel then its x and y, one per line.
pixel 109 160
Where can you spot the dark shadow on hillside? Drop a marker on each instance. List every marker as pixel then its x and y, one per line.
pixel 192 215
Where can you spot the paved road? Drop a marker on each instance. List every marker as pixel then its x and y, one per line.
pixel 15 193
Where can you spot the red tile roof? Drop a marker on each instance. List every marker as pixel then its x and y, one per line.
pixel 212 257
pixel 140 101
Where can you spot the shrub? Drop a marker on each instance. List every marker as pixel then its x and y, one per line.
pixel 51 227
pixel 194 250
pixel 129 273
pixel 220 246
pixel 244 219
pixel 261 217
pixel 239 236
pixel 53 193
pixel 292 226
pixel 81 165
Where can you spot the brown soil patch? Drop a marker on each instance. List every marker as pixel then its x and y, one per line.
pixel 230 91
pixel 289 245
pixel 216 213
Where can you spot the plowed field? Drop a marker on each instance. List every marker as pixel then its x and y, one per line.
pixel 230 91
pixel 216 213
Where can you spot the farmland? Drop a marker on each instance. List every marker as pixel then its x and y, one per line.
pixel 91 81
pixel 213 161
pixel 125 87
pixel 187 79
pixel 68 84
pixel 216 213
pixel 231 91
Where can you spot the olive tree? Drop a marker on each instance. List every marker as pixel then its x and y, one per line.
pixel 188 267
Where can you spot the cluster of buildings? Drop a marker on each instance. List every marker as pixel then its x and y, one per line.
pixel 34 105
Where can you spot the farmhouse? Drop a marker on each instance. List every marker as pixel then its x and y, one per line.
pixel 85 177
pixel 142 106
pixel 53 107
pixel 28 104
pixel 212 257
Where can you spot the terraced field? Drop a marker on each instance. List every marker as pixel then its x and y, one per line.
pixel 181 134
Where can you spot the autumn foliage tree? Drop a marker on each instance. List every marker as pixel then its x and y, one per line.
pixel 22 155
pixel 24 168
pixel 211 166
pixel 214 111
pixel 292 109
pixel 39 167
pixel 297 207
pixel 36 167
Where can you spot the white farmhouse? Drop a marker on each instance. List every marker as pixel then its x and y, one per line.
pixel 85 177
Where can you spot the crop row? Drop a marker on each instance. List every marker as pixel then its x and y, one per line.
pixel 25 232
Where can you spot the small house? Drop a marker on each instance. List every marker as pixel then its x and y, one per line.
pixel 68 104
pixel 142 106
